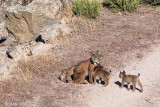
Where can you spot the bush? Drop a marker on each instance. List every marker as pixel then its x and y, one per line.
pixel 153 2
pixel 87 8
pixel 123 5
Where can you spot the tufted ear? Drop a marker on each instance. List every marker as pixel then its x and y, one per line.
pixel 101 66
pixel 97 51
pixel 92 53
pixel 124 71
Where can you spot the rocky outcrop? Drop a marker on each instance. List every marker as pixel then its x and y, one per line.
pixel 19 26
pixel 26 23
pixel 48 7
pixel 15 52
pixel 36 21
pixel 31 28
pixel 40 48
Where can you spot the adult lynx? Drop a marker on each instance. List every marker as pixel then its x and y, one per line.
pixel 86 68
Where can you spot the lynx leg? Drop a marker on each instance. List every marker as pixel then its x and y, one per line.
pixel 134 86
pixel 122 84
pixel 128 86
pixel 82 82
pixel 140 85
pixel 94 79
pixel 90 77
pixel 81 79
pixel 70 81
pixel 106 82
pixel 99 81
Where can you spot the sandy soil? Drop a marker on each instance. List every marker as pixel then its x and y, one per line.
pixel 113 96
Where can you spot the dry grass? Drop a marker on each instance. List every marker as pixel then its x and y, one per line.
pixel 34 67
pixel 21 85
pixel 5 87
pixel 60 38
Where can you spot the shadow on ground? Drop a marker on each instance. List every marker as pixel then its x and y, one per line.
pixel 126 86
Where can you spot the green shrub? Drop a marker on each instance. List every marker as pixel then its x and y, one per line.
pixel 87 8
pixel 153 2
pixel 123 5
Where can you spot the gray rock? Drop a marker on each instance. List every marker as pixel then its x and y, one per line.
pixel 3 31
pixel 3 52
pixel 48 7
pixel 40 48
pixel 3 68
pixel 14 52
pixel 25 24
pixel 7 66
pixel 51 32
pixel 9 41
pixel 5 63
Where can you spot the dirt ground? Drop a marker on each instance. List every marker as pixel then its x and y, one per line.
pixel 129 42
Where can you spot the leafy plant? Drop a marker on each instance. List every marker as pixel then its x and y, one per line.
pixel 123 5
pixel 100 54
pixel 140 36
pixel 87 8
pixel 153 2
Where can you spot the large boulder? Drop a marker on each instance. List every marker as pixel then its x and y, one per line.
pixel 16 52
pixel 19 25
pixel 24 23
pixel 55 32
pixel 40 48
pixel 48 7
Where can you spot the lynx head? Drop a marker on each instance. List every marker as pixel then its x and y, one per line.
pixel 98 67
pixel 121 75
pixel 95 57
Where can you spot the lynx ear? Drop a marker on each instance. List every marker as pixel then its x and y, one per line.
pixel 124 71
pixel 97 51
pixel 101 66
pixel 92 53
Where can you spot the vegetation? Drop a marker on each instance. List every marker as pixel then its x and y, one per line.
pixel 123 5
pixel 87 8
pixel 153 2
